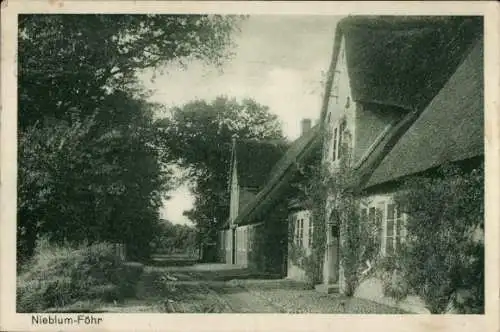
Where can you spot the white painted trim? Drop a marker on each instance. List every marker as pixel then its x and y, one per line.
pixel 386 199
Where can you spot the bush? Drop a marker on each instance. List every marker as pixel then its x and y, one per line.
pixel 443 253
pixel 58 276
pixel 126 277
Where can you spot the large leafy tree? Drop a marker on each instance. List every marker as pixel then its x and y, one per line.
pixel 198 137
pixel 89 164
pixel 175 238
pixel 77 60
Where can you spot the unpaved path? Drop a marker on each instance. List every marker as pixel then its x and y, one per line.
pixel 218 288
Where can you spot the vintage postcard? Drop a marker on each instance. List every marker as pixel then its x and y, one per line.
pixel 249 166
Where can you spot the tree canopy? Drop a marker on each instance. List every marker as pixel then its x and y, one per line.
pixel 198 137
pixel 173 238
pixel 90 168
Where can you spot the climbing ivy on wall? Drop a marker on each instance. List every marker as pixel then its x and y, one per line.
pixel 331 194
pixel 269 247
pixel 439 260
pixel 443 257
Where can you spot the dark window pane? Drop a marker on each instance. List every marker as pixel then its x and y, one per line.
pixel 390 211
pixel 397 212
pixel 390 227
pixel 372 214
pixel 389 247
pixel 363 213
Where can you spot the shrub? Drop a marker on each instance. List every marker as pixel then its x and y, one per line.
pixel 58 276
pixel 443 254
pixel 126 277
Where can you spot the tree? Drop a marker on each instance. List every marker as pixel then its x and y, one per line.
pixel 198 137
pixel 84 181
pixel 77 60
pixel 174 238
pixel 89 164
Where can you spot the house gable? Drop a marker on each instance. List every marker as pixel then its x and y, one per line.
pixel 251 163
pixel 234 201
pixel 380 100
pixel 278 180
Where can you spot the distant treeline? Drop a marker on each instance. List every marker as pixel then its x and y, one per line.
pixel 175 239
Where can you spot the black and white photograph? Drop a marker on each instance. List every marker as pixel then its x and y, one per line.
pixel 216 163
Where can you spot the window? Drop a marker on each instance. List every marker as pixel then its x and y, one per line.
pixel 394 229
pixel 303 229
pixel 250 239
pixel 311 230
pixel 245 242
pixel 390 223
pixel 341 134
pixel 338 135
pixel 299 231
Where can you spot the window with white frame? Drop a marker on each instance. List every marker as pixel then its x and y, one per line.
pixel 394 229
pixel 303 229
pixel 250 238
pixel 295 229
pixel 335 137
pixel 338 140
pixel 390 222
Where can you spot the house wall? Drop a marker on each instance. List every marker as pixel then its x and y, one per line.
pixel 234 202
pixel 228 245
pixel 371 287
pixel 340 105
pixel 299 222
pixel 242 246
pixel 221 246
pixel 246 241
pixel 378 207
pixel 364 125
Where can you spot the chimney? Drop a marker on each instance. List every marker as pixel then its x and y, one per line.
pixel 305 126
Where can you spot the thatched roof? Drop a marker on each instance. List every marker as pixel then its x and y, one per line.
pixel 255 159
pixel 300 149
pixel 404 61
pixel 450 129
pixel 394 61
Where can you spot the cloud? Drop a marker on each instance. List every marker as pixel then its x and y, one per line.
pixel 173 208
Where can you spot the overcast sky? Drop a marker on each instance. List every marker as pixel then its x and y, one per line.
pixel 280 62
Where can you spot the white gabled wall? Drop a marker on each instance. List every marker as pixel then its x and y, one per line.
pixel 235 193
pixel 340 105
pixel 302 233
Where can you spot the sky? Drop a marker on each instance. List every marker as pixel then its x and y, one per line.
pixel 280 61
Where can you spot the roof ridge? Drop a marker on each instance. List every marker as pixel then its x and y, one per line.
pixel 308 141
